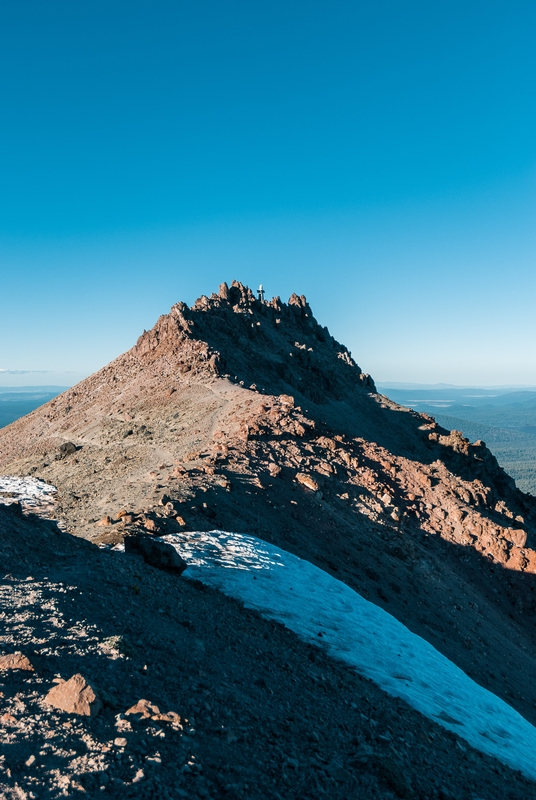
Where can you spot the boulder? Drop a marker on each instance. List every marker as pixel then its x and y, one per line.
pixel 15 661
pixel 274 469
pixel 169 510
pixel 68 448
pixel 286 400
pixel 75 696
pixel 143 710
pixel 9 721
pixel 306 480
pixel 151 526
pixel 155 552
pixel 517 536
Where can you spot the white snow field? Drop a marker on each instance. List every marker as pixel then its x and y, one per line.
pixel 323 610
pixel 31 492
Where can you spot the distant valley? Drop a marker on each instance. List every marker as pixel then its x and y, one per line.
pixel 505 418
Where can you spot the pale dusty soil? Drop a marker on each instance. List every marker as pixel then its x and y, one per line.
pixel 416 519
pixel 263 714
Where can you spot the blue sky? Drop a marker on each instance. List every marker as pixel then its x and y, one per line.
pixel 379 157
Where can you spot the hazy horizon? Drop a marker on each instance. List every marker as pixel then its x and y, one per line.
pixel 27 386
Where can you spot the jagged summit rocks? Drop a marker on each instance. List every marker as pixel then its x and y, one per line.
pixel 274 346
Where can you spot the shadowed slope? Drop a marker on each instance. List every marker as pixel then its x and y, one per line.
pixel 262 713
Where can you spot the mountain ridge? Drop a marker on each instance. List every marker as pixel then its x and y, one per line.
pixel 212 420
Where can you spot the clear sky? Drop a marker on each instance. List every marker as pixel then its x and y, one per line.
pixel 379 157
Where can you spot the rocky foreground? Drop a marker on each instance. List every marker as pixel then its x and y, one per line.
pixel 188 694
pixel 249 416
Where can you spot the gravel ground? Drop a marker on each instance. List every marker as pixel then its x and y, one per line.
pixel 262 714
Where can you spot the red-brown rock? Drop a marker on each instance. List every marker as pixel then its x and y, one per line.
pixel 147 710
pixel 143 709
pixel 307 481
pixel 75 696
pixel 15 661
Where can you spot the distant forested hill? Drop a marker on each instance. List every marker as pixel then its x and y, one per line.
pixel 515 451
pixel 505 419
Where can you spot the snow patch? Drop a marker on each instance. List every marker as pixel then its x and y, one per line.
pixel 323 610
pixel 26 487
pixel 31 492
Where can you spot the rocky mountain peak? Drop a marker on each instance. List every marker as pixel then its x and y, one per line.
pixel 276 347
pixel 246 415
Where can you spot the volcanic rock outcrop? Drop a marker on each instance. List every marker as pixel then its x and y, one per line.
pixel 248 416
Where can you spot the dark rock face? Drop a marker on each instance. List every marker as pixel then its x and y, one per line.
pixel 155 552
